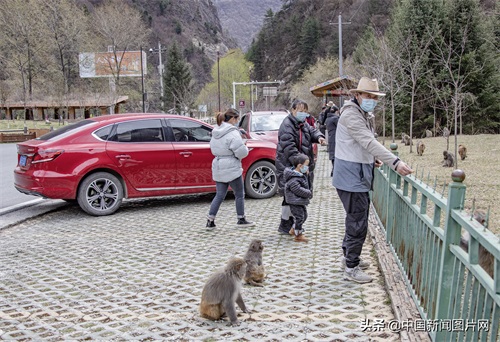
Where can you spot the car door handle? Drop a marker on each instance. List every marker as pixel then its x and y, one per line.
pixel 122 156
pixel 186 154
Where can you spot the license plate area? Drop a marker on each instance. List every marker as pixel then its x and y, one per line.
pixel 22 160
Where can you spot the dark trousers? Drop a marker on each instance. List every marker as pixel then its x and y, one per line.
pixel 299 213
pixel 357 206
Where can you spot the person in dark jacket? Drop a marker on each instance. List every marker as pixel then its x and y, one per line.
pixel 295 136
pixel 331 127
pixel 297 193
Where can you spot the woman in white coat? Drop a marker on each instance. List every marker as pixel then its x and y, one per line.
pixel 229 149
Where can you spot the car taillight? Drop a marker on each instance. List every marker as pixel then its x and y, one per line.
pixel 42 156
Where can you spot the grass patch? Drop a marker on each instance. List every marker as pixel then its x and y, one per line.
pixel 481 167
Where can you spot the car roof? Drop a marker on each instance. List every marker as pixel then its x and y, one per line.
pixel 111 118
pixel 268 112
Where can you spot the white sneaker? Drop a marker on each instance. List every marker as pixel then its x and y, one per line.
pixel 357 275
pixel 363 264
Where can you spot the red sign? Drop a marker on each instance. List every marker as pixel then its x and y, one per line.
pixel 242 103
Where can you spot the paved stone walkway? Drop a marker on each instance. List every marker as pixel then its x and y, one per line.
pixel 138 274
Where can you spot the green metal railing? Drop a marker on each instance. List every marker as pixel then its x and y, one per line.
pixel 457 299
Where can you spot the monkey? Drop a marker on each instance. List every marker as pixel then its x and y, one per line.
pixel 448 159
pixel 420 148
pixel 255 268
pixel 462 151
pixel 486 259
pixel 428 133
pixel 405 139
pixel 222 290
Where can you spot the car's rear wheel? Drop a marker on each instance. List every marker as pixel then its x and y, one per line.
pixel 260 180
pixel 100 194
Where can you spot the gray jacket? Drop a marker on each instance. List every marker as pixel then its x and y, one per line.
pixel 228 148
pixel 356 149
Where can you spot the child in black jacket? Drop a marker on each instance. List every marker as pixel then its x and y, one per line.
pixel 297 193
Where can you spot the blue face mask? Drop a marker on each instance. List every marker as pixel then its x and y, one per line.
pixel 301 116
pixel 368 105
pixel 304 169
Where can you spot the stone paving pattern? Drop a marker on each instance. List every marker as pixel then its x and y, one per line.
pixel 138 274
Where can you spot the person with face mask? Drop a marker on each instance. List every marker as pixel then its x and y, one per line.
pixel 357 153
pixel 297 193
pixel 295 136
pixel 229 149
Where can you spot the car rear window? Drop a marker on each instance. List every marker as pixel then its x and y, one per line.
pixel 65 129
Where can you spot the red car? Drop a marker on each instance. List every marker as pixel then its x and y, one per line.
pixel 264 125
pixel 100 161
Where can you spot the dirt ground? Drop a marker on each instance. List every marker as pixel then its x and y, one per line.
pixel 481 167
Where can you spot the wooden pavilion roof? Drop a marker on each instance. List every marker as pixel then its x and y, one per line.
pixel 339 86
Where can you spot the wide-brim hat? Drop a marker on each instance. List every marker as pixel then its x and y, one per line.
pixel 367 85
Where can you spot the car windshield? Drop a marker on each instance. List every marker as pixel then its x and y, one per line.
pixel 65 129
pixel 271 122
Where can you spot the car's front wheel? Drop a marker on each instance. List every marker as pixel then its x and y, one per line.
pixel 261 180
pixel 100 194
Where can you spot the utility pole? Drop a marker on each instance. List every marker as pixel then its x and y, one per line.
pixel 341 71
pixel 143 93
pixel 160 71
pixel 218 80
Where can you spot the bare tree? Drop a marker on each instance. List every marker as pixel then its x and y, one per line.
pixel 451 57
pixel 21 40
pixel 64 37
pixel 121 28
pixel 414 65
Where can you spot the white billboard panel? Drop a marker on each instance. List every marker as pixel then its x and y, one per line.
pixel 105 64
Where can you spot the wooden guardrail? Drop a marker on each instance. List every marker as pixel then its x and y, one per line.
pixel 18 135
pixel 457 298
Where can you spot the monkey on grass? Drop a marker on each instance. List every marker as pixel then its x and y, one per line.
pixel 462 151
pixel 420 148
pixel 222 290
pixel 255 268
pixel 448 159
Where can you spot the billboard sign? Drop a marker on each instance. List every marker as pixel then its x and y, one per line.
pixel 270 91
pixel 105 64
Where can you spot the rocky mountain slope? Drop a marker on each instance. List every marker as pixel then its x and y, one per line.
pixel 243 19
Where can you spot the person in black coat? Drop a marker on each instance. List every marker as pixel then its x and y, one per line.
pixel 295 136
pixel 331 127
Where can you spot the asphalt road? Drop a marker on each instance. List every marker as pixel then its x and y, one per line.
pixel 9 195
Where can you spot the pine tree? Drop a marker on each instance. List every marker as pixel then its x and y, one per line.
pixel 177 80
pixel 309 40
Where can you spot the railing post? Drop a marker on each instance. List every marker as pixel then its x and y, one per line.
pixel 452 230
pixel 390 214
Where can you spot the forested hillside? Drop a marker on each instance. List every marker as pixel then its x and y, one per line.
pixel 437 60
pixel 40 42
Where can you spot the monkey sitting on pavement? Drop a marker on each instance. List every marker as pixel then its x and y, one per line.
pixel 420 148
pixel 448 159
pixel 222 290
pixel 255 269
pixel 462 151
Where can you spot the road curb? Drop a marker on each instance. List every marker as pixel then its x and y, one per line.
pixel 20 206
